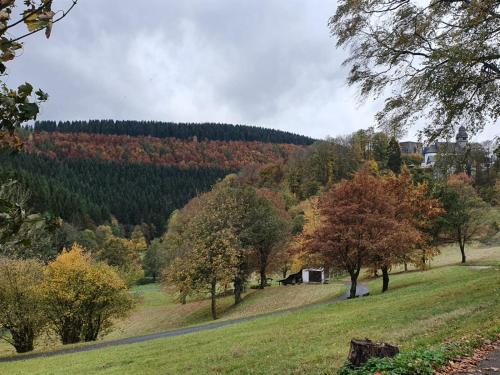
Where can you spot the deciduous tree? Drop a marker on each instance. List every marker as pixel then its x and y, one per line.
pixel 415 212
pixel 83 298
pixel 360 227
pixel 212 256
pixel 466 215
pixel 266 230
pixel 155 259
pixel 21 302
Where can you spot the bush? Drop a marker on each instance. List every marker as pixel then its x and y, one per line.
pixel 21 303
pixel 83 297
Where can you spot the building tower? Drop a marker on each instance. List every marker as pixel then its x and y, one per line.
pixel 462 137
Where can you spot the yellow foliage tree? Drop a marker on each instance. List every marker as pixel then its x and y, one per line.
pixel 138 240
pixel 312 221
pixel 83 297
pixel 21 302
pixel 211 247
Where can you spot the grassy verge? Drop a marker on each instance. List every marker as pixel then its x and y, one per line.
pixel 422 309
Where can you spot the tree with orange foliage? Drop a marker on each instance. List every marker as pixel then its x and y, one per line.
pixel 361 226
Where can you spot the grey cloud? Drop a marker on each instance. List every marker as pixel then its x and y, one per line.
pixel 269 63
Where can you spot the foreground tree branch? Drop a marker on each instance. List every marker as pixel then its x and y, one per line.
pixel 440 61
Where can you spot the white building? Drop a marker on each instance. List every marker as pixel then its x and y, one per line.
pixel 430 152
pixel 313 275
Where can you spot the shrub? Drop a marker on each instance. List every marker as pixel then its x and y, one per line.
pixel 21 312
pixel 83 297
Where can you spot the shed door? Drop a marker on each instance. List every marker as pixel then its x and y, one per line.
pixel 315 277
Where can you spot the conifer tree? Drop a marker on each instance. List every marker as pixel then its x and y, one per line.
pixel 394 156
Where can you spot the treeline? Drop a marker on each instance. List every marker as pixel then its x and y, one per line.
pixel 183 153
pixel 88 192
pixel 210 131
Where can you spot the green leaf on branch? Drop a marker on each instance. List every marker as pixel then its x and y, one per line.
pixel 25 90
pixel 29 111
pixel 41 95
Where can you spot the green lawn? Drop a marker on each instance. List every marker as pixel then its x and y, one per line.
pixel 421 309
pixel 157 310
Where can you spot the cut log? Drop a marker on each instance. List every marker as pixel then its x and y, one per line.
pixel 362 350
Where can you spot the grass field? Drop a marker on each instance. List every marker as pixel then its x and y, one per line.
pixel 157 310
pixel 421 309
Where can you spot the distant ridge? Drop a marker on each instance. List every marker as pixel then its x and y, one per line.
pixel 209 131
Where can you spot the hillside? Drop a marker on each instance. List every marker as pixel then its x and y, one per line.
pixel 139 172
pixel 421 310
pixel 173 152
pixel 83 190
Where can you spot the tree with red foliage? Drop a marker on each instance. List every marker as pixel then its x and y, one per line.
pixel 361 226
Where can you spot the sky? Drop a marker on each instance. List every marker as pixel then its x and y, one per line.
pixel 269 63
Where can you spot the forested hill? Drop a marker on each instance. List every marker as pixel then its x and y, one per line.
pixel 173 152
pixel 139 172
pixel 209 131
pixel 83 191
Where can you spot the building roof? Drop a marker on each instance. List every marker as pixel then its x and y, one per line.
pixel 434 148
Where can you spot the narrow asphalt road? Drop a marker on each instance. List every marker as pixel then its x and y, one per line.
pixel 360 291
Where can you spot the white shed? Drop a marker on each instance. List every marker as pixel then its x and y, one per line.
pixel 313 275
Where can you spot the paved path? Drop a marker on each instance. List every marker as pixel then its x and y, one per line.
pixel 488 366
pixel 360 291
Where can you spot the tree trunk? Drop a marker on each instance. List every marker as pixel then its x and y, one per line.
pixel 238 289
pixel 71 331
pixel 406 266
pixel 263 278
pixel 23 339
pixel 262 269
pixel 462 250
pixel 213 291
pixel 284 271
pixel 354 283
pixel 362 350
pixel 92 328
pixel 461 243
pixel 385 279
pixel 424 260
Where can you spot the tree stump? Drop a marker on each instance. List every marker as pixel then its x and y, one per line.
pixel 362 350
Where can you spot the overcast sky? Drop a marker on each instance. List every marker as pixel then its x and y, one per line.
pixel 269 63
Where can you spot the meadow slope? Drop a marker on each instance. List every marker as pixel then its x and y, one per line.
pixel 421 309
